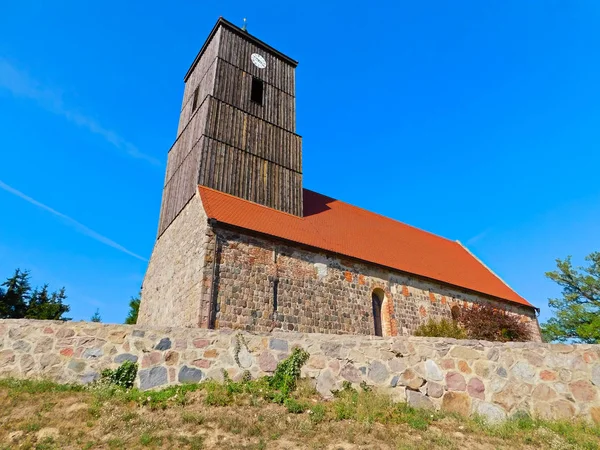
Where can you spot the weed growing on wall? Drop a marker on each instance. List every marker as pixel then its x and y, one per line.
pixel 123 376
pixel 287 372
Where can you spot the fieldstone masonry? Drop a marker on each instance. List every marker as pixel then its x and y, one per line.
pixel 492 379
pixel 205 274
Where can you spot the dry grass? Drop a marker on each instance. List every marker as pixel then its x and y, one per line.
pixel 41 415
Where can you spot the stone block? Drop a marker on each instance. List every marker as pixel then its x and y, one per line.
pixel 267 362
pixel 21 346
pixel 455 381
pixel 171 358
pixel 350 373
pixel 476 389
pixel 457 402
pixel 548 375
pixel 544 393
pixel 331 349
pixel 44 345
pixel 245 358
pixel 151 378
pixel 151 359
pixel 432 371
pixel 410 379
pixel 378 372
pixel 120 359
pixel 465 353
pixel 524 371
pixel 89 377
pixel 76 365
pixel 326 383
pixel 278 344
pixel 583 391
pixel 595 414
pixel 92 353
pixel 200 343
pixel 492 413
pixel 26 363
pixel 190 375
pixel 65 333
pixel 418 400
pixel 163 344
pixel 434 390
pixel 596 375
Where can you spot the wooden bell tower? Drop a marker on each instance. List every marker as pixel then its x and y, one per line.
pixel 237 126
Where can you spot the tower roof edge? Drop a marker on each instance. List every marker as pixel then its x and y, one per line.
pixel 225 23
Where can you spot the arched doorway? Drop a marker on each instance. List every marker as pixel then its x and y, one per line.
pixel 377 300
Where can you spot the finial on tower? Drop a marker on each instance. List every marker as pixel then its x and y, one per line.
pixel 244 28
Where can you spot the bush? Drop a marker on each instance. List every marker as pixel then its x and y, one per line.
pixel 441 328
pixel 123 376
pixel 491 324
pixel 287 372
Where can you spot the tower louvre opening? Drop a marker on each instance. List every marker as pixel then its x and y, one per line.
pixel 256 94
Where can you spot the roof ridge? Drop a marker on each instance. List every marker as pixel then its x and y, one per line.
pixel 489 269
pixel 385 217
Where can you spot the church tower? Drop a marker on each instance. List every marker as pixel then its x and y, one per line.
pixel 237 127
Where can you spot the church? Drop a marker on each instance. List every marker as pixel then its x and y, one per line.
pixel 242 245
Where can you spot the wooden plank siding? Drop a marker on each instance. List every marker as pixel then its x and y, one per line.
pixel 265 183
pixel 230 143
pixel 239 129
pixel 237 51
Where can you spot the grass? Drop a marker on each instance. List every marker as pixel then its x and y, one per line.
pixel 251 415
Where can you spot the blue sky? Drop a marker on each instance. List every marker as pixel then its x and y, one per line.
pixel 478 121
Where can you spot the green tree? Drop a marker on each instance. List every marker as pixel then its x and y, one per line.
pixel 96 316
pixel 134 309
pixel 18 300
pixel 578 311
pixel 46 305
pixel 14 295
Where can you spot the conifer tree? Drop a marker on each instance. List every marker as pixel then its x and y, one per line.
pixel 96 316
pixel 18 300
pixel 134 309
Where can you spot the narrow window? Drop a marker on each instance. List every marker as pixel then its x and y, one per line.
pixel 275 288
pixel 257 91
pixel 195 100
pixel 377 313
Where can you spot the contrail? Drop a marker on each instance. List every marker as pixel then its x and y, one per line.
pixel 20 84
pixel 71 222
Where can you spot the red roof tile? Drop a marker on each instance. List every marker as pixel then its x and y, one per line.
pixel 341 228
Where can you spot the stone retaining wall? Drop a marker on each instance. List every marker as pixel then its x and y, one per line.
pixel 495 380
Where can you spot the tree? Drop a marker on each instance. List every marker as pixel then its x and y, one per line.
pixel 18 300
pixel 47 306
pixel 578 311
pixel 96 316
pixel 14 299
pixel 134 309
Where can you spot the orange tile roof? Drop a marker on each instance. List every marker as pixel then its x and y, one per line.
pixel 341 228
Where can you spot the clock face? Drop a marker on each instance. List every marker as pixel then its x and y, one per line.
pixel 258 61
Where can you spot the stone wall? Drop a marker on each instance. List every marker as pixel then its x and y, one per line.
pixel 176 288
pixel 492 379
pixel 324 293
